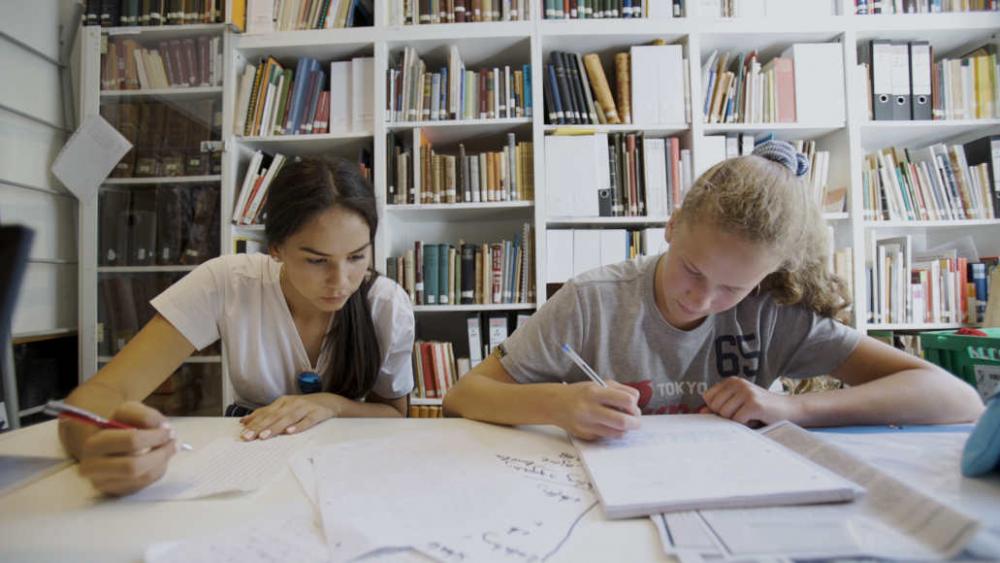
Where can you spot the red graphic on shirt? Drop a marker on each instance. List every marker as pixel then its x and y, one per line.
pixel 645 389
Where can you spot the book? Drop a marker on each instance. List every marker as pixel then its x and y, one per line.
pixel 725 465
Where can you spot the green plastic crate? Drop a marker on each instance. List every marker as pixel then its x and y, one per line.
pixel 974 359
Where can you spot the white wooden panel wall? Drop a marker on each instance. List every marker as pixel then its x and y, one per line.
pixel 31 134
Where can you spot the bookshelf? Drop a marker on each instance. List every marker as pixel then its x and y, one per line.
pixel 113 291
pixel 531 42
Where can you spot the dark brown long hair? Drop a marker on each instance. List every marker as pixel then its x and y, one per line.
pixel 302 189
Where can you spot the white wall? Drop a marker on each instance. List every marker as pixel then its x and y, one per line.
pixel 31 133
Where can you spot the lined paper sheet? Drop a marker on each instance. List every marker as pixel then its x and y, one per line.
pixel 224 466
pixel 686 462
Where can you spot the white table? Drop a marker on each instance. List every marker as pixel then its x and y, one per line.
pixel 60 517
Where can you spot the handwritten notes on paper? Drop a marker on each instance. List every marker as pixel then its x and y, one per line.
pixel 223 466
pixel 497 494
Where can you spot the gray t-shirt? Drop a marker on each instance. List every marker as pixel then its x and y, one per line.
pixel 609 316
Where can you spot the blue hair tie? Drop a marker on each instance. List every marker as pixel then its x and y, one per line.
pixel 784 154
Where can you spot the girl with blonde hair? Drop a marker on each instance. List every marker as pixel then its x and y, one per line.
pixel 741 297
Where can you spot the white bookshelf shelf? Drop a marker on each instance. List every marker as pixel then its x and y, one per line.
pixel 468 127
pixel 422 402
pixel 844 216
pixel 479 30
pixel 163 180
pixel 474 308
pixel 443 212
pixel 785 131
pixel 188 360
pixel 142 269
pixel 322 44
pixel 168 93
pixel 916 326
pixel 256 227
pixel 665 129
pixel 952 224
pixel 558 222
pixel 348 142
pixel 880 134
pixel 167 31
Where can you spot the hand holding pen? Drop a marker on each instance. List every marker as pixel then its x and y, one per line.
pixel 605 410
pixel 131 450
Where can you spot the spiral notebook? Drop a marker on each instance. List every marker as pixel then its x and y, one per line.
pixel 692 462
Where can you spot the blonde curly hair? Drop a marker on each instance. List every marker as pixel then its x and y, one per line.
pixel 766 203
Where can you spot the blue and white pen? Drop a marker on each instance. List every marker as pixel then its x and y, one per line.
pixel 583 365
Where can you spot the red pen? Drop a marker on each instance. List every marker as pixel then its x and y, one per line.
pixel 62 410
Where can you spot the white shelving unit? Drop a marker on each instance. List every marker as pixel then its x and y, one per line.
pixel 530 42
pixel 90 97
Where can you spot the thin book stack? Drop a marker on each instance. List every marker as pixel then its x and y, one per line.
pixel 430 177
pixel 176 63
pixel 488 273
pixel 939 182
pixel 269 16
pixel 882 7
pixel 115 13
pixel 260 174
pixel 274 100
pixel 455 92
pixel 417 12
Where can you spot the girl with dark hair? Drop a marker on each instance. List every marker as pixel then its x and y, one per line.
pixel 313 306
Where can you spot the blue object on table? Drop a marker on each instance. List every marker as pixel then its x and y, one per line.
pixel 309 382
pixel 982 450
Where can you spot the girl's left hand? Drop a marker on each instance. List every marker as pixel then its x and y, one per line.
pixel 288 414
pixel 740 400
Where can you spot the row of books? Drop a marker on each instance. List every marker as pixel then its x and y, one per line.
pixel 439 363
pixel 903 82
pixel 273 100
pixel 454 92
pixel 172 224
pixel 936 286
pixel 435 369
pixel 429 177
pixel 571 252
pixel 841 263
pixel 466 274
pixel 615 175
pixel 425 411
pixel 604 9
pixel 804 84
pixel 269 16
pixel 830 198
pixel 261 171
pixel 417 12
pixel 877 7
pixel 177 63
pixel 650 86
pixel 765 8
pixel 114 13
pixel 906 341
pixel 167 140
pixel 939 182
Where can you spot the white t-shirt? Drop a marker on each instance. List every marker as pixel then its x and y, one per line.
pixel 238 298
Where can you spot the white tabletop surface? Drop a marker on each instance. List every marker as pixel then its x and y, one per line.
pixel 61 517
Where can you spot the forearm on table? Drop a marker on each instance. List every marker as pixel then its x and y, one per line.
pixel 913 396
pixel 481 398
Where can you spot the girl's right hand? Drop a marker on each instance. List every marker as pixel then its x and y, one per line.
pixel 119 462
pixel 590 411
